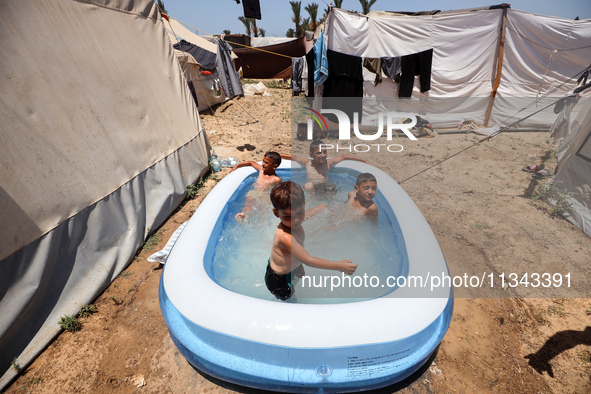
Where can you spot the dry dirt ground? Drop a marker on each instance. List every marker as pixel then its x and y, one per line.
pixel 480 207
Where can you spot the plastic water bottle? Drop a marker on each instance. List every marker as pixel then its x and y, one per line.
pixel 215 164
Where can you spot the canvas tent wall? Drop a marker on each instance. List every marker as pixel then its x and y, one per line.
pixel 198 58
pixel 541 56
pixel 99 138
pixel 573 173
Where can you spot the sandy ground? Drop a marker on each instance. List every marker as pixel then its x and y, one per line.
pixel 480 207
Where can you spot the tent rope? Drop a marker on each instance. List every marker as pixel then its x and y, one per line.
pixel 247 46
pixel 545 95
pixel 496 133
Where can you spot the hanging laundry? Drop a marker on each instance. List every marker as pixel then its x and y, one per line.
pixel 374 65
pixel 391 67
pixel 252 9
pixel 320 60
pixel 345 75
pixel 415 64
pixel 310 64
pixel 228 76
pixel 345 79
pixel 304 74
pixel 297 68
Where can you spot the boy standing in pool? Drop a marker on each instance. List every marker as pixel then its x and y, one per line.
pixel 361 198
pixel 317 167
pixel 266 180
pixel 289 205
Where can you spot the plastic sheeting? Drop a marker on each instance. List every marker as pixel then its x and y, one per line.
pixel 541 53
pixel 100 137
pixel 207 85
pixel 573 173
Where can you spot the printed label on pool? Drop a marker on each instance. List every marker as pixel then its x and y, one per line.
pixel 376 365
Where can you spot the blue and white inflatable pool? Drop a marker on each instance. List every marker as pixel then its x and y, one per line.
pixel 297 347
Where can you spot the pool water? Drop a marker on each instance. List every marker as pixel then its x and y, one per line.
pixel 241 249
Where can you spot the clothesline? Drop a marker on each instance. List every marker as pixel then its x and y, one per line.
pixel 247 46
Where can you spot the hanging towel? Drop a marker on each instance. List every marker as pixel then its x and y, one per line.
pixel 415 64
pixel 320 60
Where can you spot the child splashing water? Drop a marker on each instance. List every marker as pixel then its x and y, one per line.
pixel 289 205
pixel 266 180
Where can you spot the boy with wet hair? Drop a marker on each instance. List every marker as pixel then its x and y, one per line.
pixel 317 167
pixel 266 180
pixel 289 205
pixel 361 198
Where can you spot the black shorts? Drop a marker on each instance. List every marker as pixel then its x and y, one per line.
pixel 279 284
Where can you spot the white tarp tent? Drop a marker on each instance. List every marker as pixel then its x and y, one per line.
pixel 573 173
pixel 541 56
pixel 206 80
pixel 99 138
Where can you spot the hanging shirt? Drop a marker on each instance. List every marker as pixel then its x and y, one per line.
pixel 374 65
pixel 345 79
pixel 391 68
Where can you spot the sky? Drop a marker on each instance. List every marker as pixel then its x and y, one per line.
pixel 213 17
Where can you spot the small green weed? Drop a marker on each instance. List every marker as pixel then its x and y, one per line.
pixel 70 323
pixel 192 191
pixel 31 382
pixel 125 274
pixel 556 310
pixel 115 300
pixel 153 240
pixel 559 199
pixel 482 226
pixel 16 365
pixel 87 310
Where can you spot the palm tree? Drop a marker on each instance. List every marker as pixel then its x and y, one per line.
pixel 262 32
pixel 312 9
pixel 338 3
pixel 296 7
pixel 254 28
pixel 366 5
pixel 290 33
pixel 306 24
pixel 247 24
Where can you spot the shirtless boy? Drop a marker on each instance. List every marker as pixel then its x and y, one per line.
pixel 266 180
pixel 361 198
pixel 289 205
pixel 317 166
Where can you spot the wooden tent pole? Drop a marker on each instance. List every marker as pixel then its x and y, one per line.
pixel 499 64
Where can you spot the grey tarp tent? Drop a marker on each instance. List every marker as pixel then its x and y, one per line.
pixel 99 138
pixel 201 62
pixel 573 173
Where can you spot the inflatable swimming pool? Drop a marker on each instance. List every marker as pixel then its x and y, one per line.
pixel 304 347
